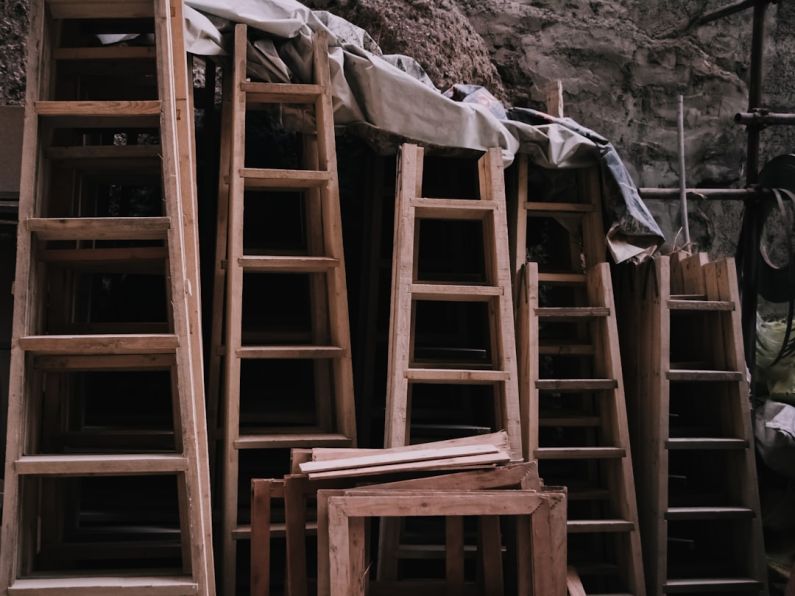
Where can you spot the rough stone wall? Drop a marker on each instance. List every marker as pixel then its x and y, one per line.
pixel 622 62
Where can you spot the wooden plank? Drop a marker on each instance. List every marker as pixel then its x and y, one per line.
pixel 713 585
pixel 454 293
pixel 580 452
pixel 699 443
pixel 447 375
pixel 273 440
pixel 279 93
pixel 99 344
pixel 285 264
pixel 581 312
pixel 103 362
pixel 545 209
pixel 273 179
pixel 498 439
pixel 701 513
pixel 451 209
pixel 97 109
pixel 99 228
pixel 96 258
pixel 260 536
pixel 712 376
pixel 99 465
pixel 700 305
pixel 574 583
pixel 396 458
pixel 561 278
pixel 591 526
pixel 454 555
pixel 289 352
pixel 576 384
pixel 436 464
pixel 105 586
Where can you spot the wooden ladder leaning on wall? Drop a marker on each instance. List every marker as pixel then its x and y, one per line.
pixel 403 371
pixel 330 352
pixel 689 398
pixel 579 302
pixel 75 239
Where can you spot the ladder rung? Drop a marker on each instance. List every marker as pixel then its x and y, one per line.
pixel 290 352
pixel 576 384
pixel 578 312
pixel 591 526
pixel 99 228
pixel 717 585
pixel 454 293
pixel 445 375
pixel 288 264
pixel 99 344
pixel 701 305
pixel 288 440
pixel 129 362
pixel 262 178
pixel 270 93
pixel 561 278
pixel 553 208
pixel 105 586
pixel 243 532
pixel 96 465
pixel 124 258
pixel 705 375
pixel 106 53
pixel 696 513
pixel 104 152
pixel 100 9
pixel 566 349
pixel 450 209
pixel 690 443
pixel 570 421
pixel 687 297
pixel 580 452
pixel 95 113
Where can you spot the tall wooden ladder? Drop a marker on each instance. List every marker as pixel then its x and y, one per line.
pixel 62 226
pixel 689 402
pixel 323 261
pixel 571 386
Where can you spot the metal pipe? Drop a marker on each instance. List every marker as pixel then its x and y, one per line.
pixel 752 221
pixel 760 118
pixel 726 11
pixel 683 171
pixel 714 194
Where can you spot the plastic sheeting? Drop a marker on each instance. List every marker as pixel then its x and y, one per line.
pixel 390 99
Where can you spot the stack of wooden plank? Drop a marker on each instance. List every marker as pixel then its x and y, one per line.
pixel 336 490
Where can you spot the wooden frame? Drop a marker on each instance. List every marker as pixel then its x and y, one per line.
pixel 706 292
pixel 346 528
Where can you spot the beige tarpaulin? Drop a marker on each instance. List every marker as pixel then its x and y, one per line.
pixel 390 97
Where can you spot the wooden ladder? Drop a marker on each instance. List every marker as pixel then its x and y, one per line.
pixel 335 413
pixel 566 321
pixel 70 125
pixel 689 401
pixel 407 290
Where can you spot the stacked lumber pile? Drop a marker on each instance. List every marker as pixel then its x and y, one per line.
pixel 517 538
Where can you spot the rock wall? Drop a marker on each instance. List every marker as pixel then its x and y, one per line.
pixel 622 62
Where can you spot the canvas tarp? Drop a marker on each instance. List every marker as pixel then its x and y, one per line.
pixel 390 97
